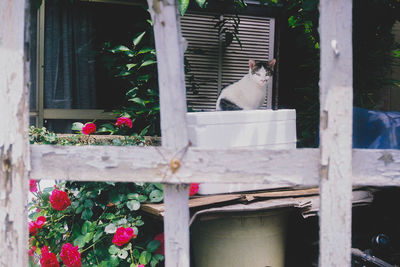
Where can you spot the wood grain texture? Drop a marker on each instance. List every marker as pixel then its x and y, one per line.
pixel 14 146
pixel 336 97
pixel 286 168
pixel 174 134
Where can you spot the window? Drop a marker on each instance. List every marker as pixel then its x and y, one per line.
pixel 70 74
pixel 212 63
pixel 71 79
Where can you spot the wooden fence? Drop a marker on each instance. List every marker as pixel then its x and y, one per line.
pixel 334 167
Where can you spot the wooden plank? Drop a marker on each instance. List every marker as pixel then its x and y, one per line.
pixel 371 167
pixel 14 148
pixel 174 135
pixel 78 114
pixel 336 97
pixel 376 167
pixel 152 164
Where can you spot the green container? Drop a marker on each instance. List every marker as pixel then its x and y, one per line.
pixel 240 240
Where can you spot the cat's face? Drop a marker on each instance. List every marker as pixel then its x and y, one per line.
pixel 260 71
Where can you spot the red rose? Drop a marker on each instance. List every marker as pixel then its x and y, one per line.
pixel 34 226
pixel 33 230
pixel 123 235
pixel 89 128
pixel 59 200
pixel 124 121
pixel 32 186
pixel 40 222
pixel 194 188
pixel 160 238
pixel 48 259
pixel 70 255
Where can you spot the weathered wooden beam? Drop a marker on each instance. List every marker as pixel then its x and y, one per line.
pixel 285 168
pixel 373 167
pixel 14 146
pixel 336 102
pixel 297 167
pixel 174 135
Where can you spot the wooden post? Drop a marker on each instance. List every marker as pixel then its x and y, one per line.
pixel 336 98
pixel 173 108
pixel 14 146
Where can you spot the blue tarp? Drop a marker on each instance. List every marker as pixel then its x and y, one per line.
pixel 376 129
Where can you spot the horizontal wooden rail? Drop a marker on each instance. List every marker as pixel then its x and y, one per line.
pixel 275 168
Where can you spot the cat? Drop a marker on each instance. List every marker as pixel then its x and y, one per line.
pixel 249 92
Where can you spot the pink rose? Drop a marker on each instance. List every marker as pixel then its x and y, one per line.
pixel 123 235
pixel 89 128
pixel 31 252
pixel 140 265
pixel 194 188
pixel 32 186
pixel 48 259
pixel 59 200
pixel 70 255
pixel 124 121
pixel 160 238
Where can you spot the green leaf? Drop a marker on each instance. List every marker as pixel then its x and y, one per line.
pixel 110 229
pixel 85 227
pixel 130 66
pixel 120 48
pixel 110 216
pixel 80 241
pixel 148 62
pixel 143 78
pixel 145 257
pixel 138 101
pixel 97 236
pixel 89 237
pixel 155 259
pixel 136 253
pixel 122 254
pixel 201 3
pixel 156 196
pixel 77 126
pixel 127 247
pixel 145 50
pixel 153 245
pixel 142 198
pixel 87 214
pixel 133 196
pixel 133 205
pixel 79 209
pixel 113 249
pixel 107 127
pixel 88 203
pixel 144 131
pixel 138 38
pixel 158 185
pixel 123 73
pixel 183 6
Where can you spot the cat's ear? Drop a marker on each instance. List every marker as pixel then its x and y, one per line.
pixel 251 63
pixel 272 63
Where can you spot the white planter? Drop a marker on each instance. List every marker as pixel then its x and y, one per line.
pixel 272 129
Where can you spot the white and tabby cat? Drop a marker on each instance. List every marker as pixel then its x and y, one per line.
pixel 250 91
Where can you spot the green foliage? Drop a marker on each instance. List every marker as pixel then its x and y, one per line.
pixel 135 65
pixel 90 222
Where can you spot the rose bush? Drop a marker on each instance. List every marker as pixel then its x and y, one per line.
pixel 94 224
